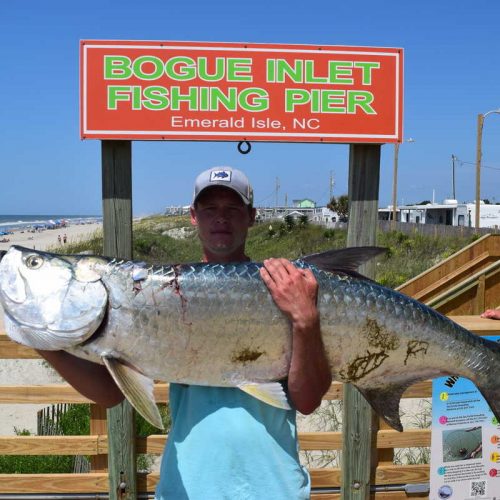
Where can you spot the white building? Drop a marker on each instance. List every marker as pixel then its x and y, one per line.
pixel 449 213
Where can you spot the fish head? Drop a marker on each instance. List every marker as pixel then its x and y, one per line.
pixel 51 301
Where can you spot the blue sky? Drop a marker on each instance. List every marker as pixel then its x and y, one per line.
pixel 452 73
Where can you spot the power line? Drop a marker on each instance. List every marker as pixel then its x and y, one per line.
pixel 473 163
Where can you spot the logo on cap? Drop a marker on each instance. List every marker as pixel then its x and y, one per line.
pixel 220 175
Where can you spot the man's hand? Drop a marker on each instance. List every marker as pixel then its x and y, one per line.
pixel 295 292
pixel 491 314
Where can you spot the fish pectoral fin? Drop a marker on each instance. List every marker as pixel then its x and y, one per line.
pixel 136 387
pixel 271 393
pixel 385 401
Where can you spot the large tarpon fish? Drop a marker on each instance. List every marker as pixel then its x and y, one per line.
pixel 216 324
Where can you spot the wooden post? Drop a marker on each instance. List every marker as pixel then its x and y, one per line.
pixel 359 422
pixel 117 231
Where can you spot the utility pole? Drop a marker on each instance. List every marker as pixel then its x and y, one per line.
pixel 453 158
pixel 332 183
pixel 480 123
pixel 277 188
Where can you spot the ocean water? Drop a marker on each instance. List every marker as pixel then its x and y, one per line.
pixel 11 222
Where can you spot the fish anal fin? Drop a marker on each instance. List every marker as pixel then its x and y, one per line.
pixel 136 387
pixel 271 393
pixel 385 402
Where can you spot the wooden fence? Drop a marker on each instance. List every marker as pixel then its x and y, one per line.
pixel 96 445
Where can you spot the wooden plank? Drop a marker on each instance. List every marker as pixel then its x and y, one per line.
pixel 54 483
pixel 49 445
pixel 98 426
pixel 13 350
pixel 386 439
pixel 359 420
pixel 384 474
pixel 64 393
pixel 117 242
pixel 441 269
pixel 383 495
pixel 40 394
pixel 450 278
pixel 96 445
pixel 98 482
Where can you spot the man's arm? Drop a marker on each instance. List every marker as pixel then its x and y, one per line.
pixel 295 292
pixel 89 379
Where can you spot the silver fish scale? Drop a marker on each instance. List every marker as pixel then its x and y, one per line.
pixel 216 324
pixel 207 324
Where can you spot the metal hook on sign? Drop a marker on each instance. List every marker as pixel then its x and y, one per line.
pixel 244 151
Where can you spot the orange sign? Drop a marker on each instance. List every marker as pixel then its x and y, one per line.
pixel 235 91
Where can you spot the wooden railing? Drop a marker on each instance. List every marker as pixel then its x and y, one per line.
pixel 465 283
pixel 96 445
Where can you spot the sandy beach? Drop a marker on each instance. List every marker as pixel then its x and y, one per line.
pixel 46 239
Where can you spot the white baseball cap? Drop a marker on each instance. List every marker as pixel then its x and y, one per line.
pixel 228 177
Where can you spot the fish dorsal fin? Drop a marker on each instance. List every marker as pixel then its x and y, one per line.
pixel 271 393
pixel 136 387
pixel 344 260
pixel 385 401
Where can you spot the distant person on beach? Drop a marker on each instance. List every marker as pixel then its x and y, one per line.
pixel 491 314
pixel 59 239
pixel 65 238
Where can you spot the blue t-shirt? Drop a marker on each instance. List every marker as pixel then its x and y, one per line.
pixel 225 444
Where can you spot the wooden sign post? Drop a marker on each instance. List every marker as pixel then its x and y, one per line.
pixel 117 232
pixel 359 424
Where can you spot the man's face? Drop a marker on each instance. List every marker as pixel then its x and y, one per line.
pixel 223 221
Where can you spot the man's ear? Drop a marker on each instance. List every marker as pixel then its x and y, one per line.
pixel 253 213
pixel 194 221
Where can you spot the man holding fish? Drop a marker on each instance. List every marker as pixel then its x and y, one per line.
pixel 224 443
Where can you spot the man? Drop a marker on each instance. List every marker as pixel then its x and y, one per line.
pixel 225 444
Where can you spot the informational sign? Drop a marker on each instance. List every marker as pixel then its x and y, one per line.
pixel 236 91
pixel 465 449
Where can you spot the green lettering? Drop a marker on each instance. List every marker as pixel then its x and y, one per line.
pixel 118 93
pixel 217 97
pixel 238 69
pixel 180 68
pixel 270 71
pixel 339 70
pixel 204 99
pixel 362 99
pixel 295 97
pixel 366 72
pixel 148 61
pixel 176 98
pixel 117 67
pixel 330 98
pixel 309 74
pixel 156 98
pixel 203 69
pixel 249 103
pixel 284 69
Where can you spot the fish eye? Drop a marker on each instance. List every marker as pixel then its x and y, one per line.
pixel 34 261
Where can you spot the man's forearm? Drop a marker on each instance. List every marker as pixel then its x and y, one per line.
pixel 310 376
pixel 90 379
